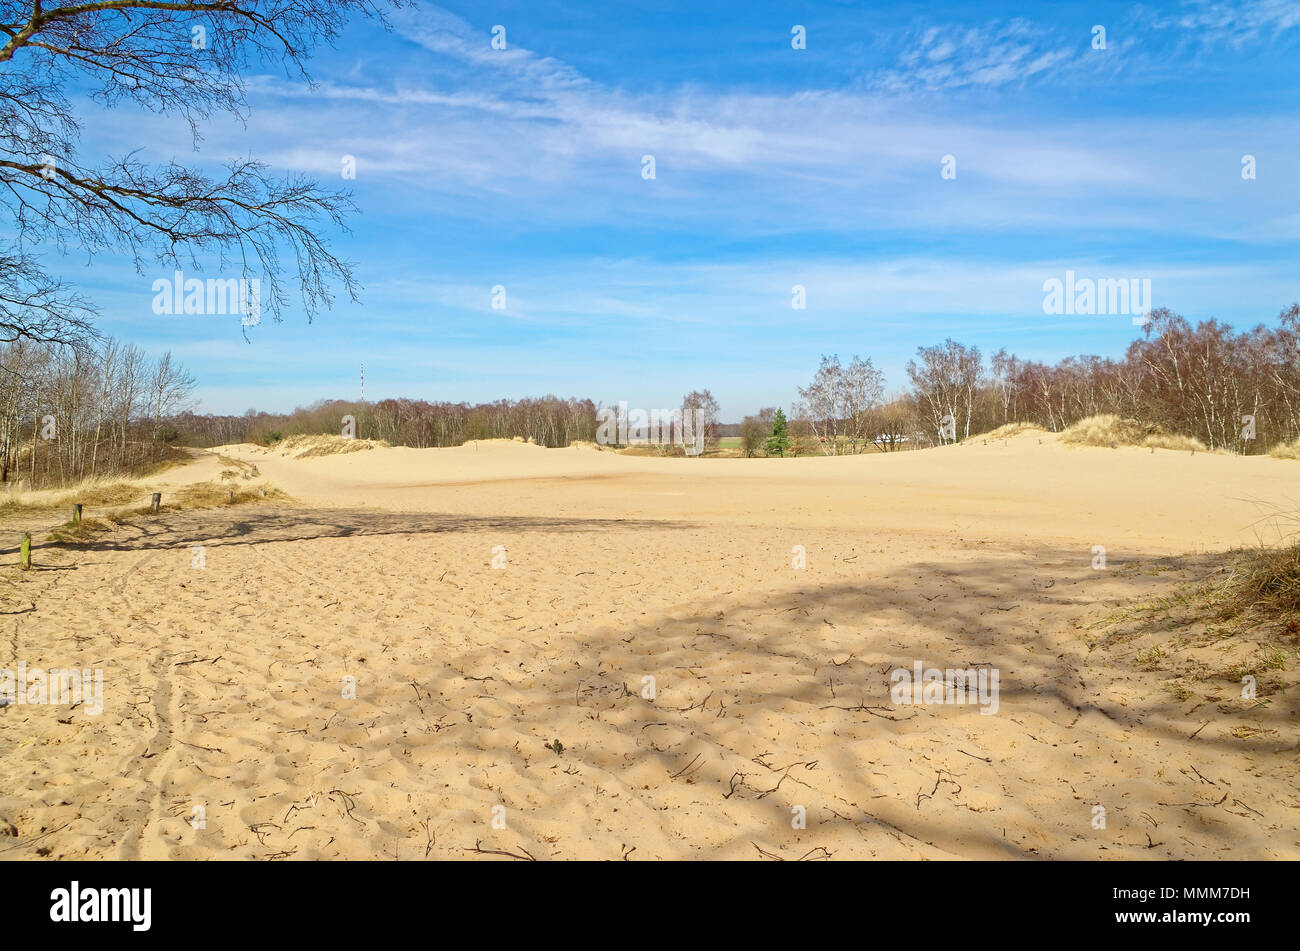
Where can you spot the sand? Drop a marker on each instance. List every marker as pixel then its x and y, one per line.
pixel 224 684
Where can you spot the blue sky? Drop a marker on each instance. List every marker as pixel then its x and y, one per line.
pixel 774 167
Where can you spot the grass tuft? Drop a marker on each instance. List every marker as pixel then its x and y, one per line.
pixel 1108 430
pixel 91 492
pixel 1288 450
pixel 305 447
pixel 201 495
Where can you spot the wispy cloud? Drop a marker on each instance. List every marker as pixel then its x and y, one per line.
pixel 996 54
pixel 1215 23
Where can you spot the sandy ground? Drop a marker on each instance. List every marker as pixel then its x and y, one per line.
pixel 224 685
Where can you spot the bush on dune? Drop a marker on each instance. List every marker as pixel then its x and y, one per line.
pixel 1109 430
pixel 305 447
pixel 1290 450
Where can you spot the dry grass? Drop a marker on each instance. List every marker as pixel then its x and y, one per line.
pixel 1289 450
pixel 1112 431
pixel 1239 617
pixel 84 531
pixel 238 468
pixel 1267 582
pixel 1007 430
pixel 1256 587
pixel 200 495
pixel 90 492
pixel 305 447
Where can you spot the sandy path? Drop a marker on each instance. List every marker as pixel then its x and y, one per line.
pixel 223 684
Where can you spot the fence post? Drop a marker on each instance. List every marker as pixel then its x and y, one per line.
pixel 76 513
pixel 155 502
pixel 25 552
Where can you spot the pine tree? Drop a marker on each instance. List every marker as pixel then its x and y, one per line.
pixel 779 441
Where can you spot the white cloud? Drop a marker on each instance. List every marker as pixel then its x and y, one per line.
pixel 1232 24
pixel 952 57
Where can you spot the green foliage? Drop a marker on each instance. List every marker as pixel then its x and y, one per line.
pixel 778 444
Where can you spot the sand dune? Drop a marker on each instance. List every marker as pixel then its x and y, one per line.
pixel 224 684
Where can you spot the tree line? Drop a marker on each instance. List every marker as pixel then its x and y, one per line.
pixel 73 413
pixel 546 421
pixel 106 409
pixel 1236 391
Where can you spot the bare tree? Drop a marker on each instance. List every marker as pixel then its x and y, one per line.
pixel 892 424
pixel 946 381
pixel 821 404
pixel 1005 370
pixel 864 388
pixel 703 401
pixel 178 58
pixel 170 387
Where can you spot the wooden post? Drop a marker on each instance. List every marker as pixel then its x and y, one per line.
pixel 76 513
pixel 155 502
pixel 25 552
pixel 230 497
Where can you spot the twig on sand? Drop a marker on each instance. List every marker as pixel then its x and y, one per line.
pixel 23 845
pixel 348 804
pixel 733 783
pixel 863 708
pixel 1195 805
pixel 809 856
pixel 1238 802
pixel 701 705
pixel 785 774
pixel 686 767
pixel 939 779
pixel 526 857
pixel 198 660
pixel 196 746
